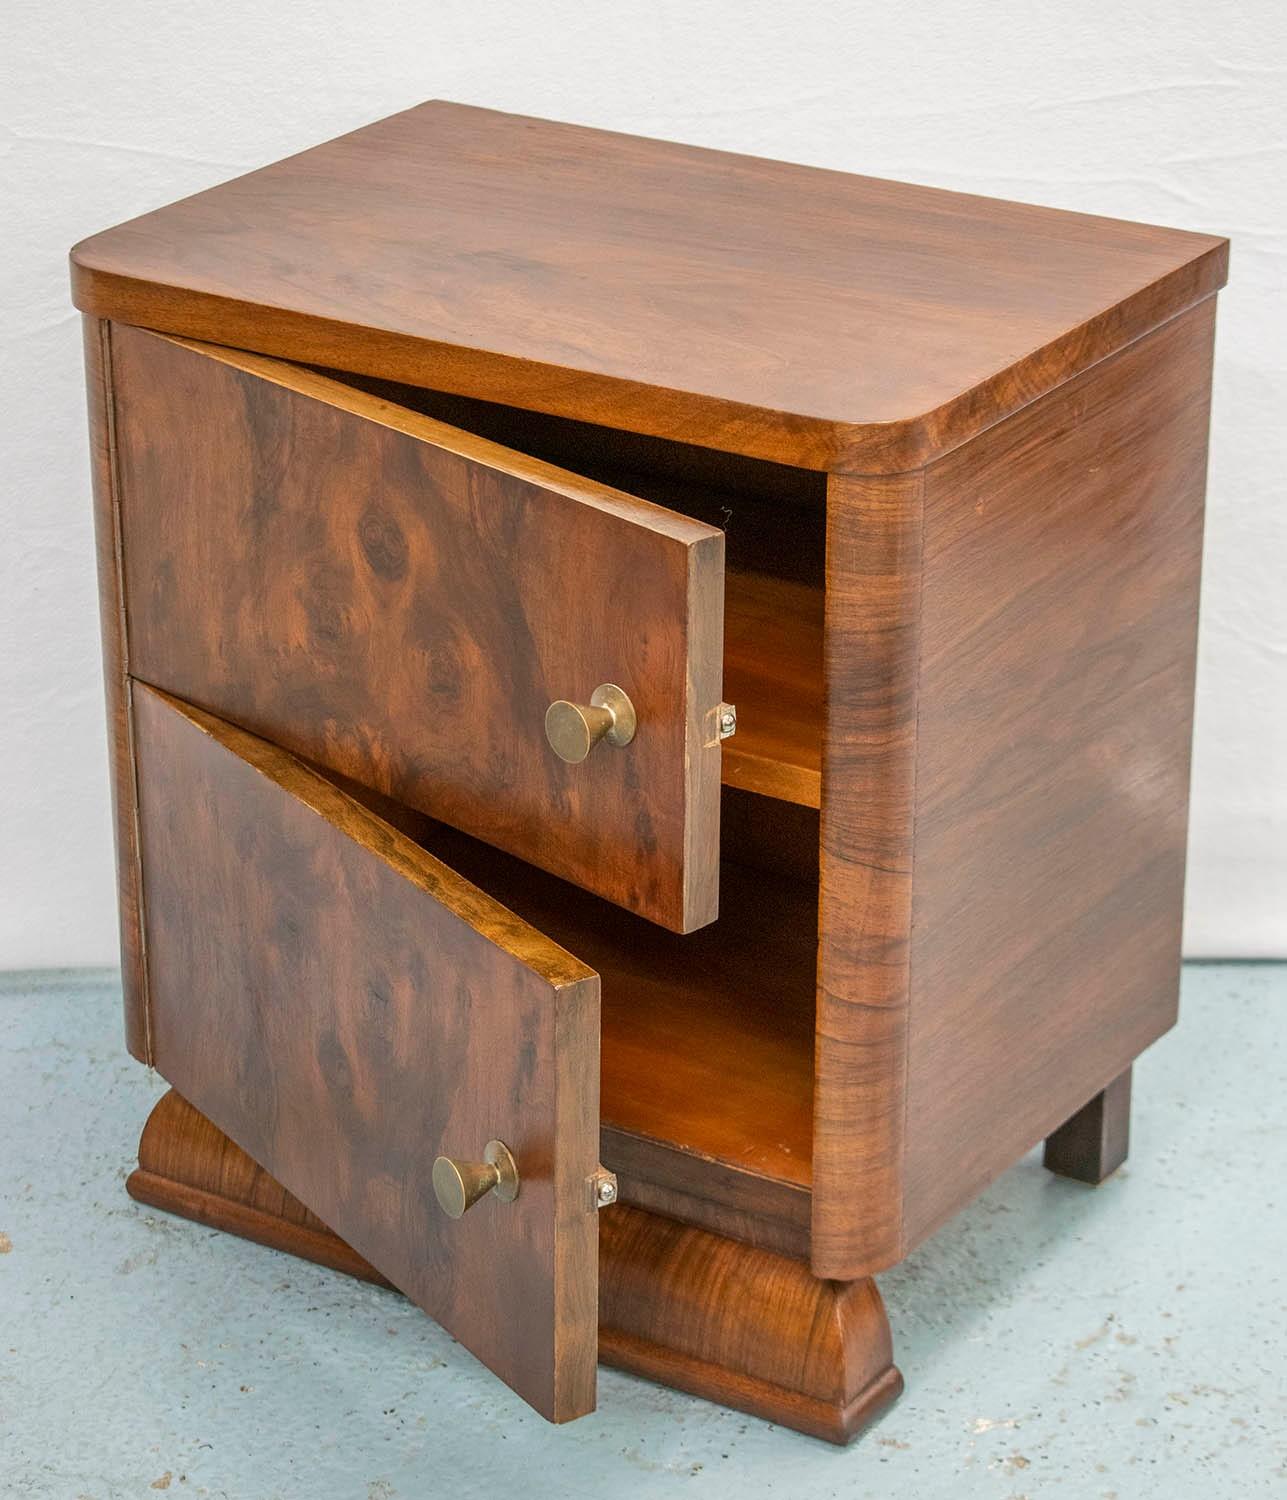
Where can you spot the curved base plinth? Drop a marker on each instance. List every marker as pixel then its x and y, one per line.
pixel 745 1327
pixel 679 1305
pixel 187 1166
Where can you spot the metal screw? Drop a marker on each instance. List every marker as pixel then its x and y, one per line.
pixel 727 720
pixel 603 1188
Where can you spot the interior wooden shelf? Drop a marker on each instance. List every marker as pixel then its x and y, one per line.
pixel 773 673
pixel 707 1038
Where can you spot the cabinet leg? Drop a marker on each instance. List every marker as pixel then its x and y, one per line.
pixel 691 1309
pixel 1092 1144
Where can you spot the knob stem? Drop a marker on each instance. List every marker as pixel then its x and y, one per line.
pixel 574 729
pixel 458 1184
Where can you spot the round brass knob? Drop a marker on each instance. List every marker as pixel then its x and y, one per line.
pixel 574 729
pixel 458 1185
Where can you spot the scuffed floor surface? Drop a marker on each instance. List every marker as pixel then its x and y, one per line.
pixel 1102 1344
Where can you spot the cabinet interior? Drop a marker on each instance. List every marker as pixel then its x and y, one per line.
pixel 708 1038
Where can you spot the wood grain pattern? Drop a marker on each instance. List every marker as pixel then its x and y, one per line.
pixel 952 874
pixel 401 601
pixel 188 1166
pixel 346 1008
pixel 1059 624
pixel 773 631
pixel 871 658
pixel 1093 1143
pixel 770 1213
pixel 773 514
pixel 812 317
pixel 1010 647
pixel 745 1327
pixel 107 541
pixel 707 1039
pixel 751 1330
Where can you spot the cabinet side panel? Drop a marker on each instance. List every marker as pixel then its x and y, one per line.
pixel 1061 557
pixel 871 650
pixel 107 535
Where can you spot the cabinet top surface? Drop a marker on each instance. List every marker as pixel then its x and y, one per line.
pixel 786 312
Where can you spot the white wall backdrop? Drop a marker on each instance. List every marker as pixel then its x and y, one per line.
pixel 1173 111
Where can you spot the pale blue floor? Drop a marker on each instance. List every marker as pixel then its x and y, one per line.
pixel 1128 1341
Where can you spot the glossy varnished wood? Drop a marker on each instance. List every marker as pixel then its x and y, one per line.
pixel 1010 649
pixel 807 316
pixel 871 661
pixel 401 601
pixel 188 1166
pixel 1093 1143
pixel 116 681
pixel 703 1313
pixel 1058 632
pixel 913 478
pixel 753 1330
pixel 770 1213
pixel 707 1039
pixel 346 1008
pixel 773 673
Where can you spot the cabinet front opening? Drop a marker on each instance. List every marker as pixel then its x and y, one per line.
pixel 707 1043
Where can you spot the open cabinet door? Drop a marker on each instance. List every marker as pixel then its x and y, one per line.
pixel 405 603
pixel 347 1009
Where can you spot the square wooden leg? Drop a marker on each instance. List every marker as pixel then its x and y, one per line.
pixel 1092 1144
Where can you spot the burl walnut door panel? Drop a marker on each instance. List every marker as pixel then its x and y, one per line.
pixel 346 1008
pixel 401 601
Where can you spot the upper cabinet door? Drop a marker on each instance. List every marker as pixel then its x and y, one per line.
pixel 348 1009
pixel 403 602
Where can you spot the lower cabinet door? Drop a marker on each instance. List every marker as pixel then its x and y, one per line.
pixel 349 1010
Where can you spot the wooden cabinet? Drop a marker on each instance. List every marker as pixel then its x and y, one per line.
pixel 668 669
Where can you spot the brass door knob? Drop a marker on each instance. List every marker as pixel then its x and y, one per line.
pixel 574 729
pixel 458 1185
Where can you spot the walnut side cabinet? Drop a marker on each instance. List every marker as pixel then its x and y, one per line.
pixel 650 704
